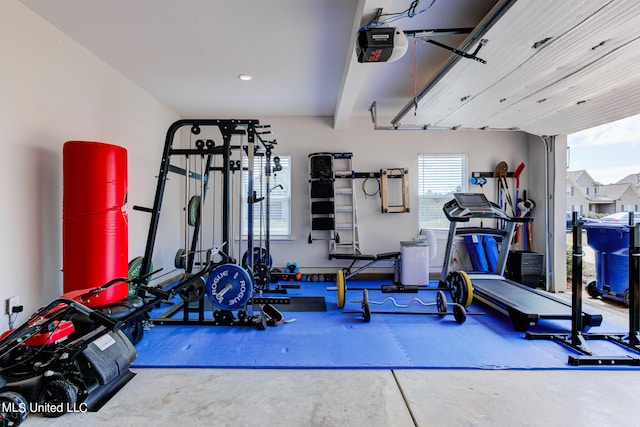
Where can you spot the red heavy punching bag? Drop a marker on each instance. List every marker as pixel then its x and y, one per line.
pixel 95 227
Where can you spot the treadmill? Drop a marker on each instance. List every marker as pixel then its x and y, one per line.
pixel 524 305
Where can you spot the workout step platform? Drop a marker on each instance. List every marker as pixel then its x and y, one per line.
pixel 327 223
pixel 322 189
pixel 322 207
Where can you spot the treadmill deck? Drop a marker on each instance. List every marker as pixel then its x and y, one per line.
pixel 523 304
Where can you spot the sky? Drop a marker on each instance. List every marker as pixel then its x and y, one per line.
pixel 608 152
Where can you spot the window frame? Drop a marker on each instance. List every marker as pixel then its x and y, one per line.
pixel 282 198
pixel 439 221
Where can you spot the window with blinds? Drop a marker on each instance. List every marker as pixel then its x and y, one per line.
pixel 439 176
pixel 280 203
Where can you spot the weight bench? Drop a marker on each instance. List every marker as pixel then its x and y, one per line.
pixel 371 260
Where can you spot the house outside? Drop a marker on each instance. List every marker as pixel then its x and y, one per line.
pixel 587 196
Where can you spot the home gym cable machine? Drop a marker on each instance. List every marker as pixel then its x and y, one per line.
pixel 229 287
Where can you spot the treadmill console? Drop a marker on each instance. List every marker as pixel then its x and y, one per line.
pixel 465 206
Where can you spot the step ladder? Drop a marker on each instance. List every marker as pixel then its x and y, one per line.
pixel 333 202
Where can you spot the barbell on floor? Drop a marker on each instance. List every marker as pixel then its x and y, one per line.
pixel 459 312
pixel 458 284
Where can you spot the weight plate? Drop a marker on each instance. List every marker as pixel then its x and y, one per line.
pixel 261 275
pixel 459 313
pixel 180 261
pixel 259 257
pixel 229 287
pixel 194 208
pixel 366 315
pixel 135 265
pixel 441 303
pixel 275 275
pixel 341 289
pixel 461 288
pixel 194 291
pixel 366 307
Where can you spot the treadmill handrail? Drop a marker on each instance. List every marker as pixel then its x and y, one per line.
pixel 484 231
pixel 456 213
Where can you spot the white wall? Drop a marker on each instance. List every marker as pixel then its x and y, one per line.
pixel 53 90
pixel 372 151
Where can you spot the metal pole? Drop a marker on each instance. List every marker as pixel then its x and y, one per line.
pixel 576 282
pixel 226 189
pixel 250 197
pixel 634 281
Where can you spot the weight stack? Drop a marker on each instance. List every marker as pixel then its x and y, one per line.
pixel 95 227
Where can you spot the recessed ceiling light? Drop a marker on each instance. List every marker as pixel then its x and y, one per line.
pixel 245 77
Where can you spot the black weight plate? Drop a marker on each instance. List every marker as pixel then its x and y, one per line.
pixel 461 289
pixel 194 291
pixel 194 208
pixel 459 313
pixel 180 261
pixel 259 257
pixel 441 303
pixel 366 307
pixel 262 276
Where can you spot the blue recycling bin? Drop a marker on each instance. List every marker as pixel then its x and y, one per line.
pixel 610 242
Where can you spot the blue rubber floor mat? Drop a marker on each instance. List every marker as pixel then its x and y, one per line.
pixel 341 339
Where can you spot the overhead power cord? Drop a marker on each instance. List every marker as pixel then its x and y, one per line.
pixel 410 12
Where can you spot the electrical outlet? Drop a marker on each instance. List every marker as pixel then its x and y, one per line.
pixel 12 302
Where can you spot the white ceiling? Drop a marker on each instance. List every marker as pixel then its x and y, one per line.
pixel 188 54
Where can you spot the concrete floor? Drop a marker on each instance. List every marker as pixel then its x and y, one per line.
pixel 368 398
